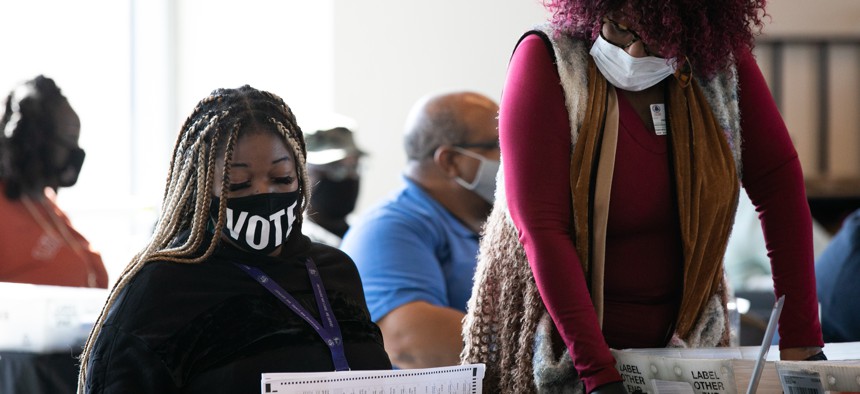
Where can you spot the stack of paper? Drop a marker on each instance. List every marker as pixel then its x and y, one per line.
pixel 459 379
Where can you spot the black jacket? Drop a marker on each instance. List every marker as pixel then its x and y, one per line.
pixel 209 327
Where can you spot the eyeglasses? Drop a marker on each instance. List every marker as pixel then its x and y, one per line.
pixel 488 145
pixel 622 37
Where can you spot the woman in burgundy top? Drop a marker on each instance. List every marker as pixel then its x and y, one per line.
pixel 644 279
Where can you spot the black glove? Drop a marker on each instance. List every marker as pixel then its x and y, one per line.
pixel 610 388
pixel 817 357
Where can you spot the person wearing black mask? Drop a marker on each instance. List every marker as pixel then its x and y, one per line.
pixel 39 154
pixel 333 170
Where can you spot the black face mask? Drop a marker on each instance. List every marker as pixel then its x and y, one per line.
pixel 334 199
pixel 67 173
pixel 259 223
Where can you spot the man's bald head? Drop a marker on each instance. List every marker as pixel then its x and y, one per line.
pixel 444 119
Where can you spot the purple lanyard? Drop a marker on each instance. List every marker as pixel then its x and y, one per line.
pixel 329 331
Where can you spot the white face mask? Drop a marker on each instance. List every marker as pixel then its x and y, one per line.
pixel 484 183
pixel 627 72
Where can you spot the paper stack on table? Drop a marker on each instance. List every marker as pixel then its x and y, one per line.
pixel 459 379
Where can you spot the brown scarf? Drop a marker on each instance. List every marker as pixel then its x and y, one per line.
pixel 706 188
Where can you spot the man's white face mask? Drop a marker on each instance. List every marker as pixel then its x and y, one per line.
pixel 627 72
pixel 484 183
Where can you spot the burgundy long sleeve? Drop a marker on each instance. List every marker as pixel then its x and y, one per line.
pixel 535 140
pixel 773 179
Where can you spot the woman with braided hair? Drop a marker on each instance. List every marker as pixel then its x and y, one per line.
pixel 627 128
pixel 39 153
pixel 229 287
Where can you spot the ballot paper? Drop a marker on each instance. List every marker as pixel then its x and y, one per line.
pixel 459 379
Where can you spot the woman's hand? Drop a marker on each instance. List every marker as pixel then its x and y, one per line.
pixel 801 353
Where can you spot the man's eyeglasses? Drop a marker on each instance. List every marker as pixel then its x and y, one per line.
pixel 622 37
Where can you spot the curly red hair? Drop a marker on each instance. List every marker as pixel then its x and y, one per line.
pixel 710 33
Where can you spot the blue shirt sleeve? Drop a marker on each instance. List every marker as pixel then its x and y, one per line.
pixel 396 256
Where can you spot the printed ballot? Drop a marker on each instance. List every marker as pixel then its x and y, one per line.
pixel 459 379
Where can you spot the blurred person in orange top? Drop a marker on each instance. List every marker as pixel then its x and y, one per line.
pixel 39 153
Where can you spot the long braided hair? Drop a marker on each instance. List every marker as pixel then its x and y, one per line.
pixel 210 131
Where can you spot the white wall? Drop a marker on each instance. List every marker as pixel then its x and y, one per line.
pixel 134 70
pixel 388 53
pixel 281 46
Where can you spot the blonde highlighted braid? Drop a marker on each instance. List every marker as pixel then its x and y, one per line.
pixel 210 131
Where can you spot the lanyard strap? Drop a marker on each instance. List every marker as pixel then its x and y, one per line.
pixel 329 330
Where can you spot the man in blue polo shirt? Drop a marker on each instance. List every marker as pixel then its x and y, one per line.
pixel 417 251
